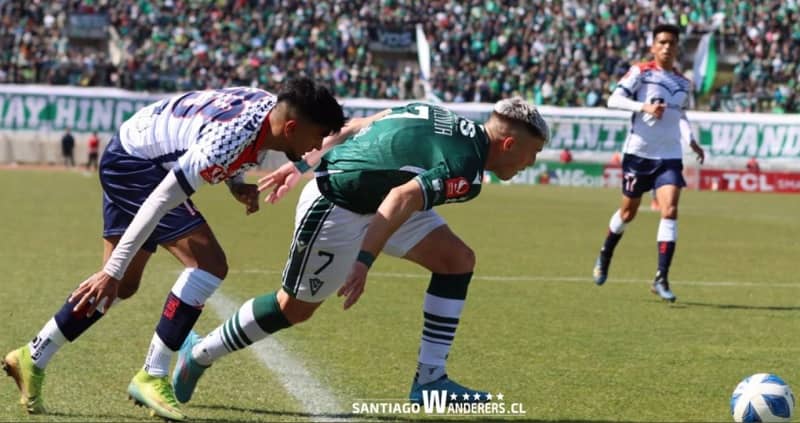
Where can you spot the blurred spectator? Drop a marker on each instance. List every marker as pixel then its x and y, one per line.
pixel 93 147
pixel 68 148
pixel 564 53
pixel 566 156
pixel 752 165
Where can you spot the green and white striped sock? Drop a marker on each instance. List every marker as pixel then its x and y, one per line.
pixel 256 319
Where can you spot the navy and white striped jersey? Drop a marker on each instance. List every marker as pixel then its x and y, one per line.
pixel 206 136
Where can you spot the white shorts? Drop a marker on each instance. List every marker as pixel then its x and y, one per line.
pixel 327 239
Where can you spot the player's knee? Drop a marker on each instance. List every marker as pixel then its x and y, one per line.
pixel 295 311
pixel 669 212
pixel 296 315
pixel 458 258
pixel 627 215
pixel 467 260
pixel 217 266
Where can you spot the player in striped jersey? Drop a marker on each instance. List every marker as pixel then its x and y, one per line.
pixel 157 160
pixel 658 96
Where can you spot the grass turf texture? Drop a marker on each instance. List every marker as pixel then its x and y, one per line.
pixel 534 328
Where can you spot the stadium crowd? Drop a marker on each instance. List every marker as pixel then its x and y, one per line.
pixel 566 53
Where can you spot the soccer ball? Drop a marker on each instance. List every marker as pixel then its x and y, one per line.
pixel 762 397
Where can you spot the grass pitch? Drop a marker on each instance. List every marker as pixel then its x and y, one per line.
pixel 534 328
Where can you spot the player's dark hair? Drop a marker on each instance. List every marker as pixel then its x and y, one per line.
pixel 314 102
pixel 672 29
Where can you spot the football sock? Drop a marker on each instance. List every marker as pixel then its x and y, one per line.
pixel 667 236
pixel 181 310
pixel 428 373
pixel 255 320
pixel 616 227
pixel 46 343
pixel 65 325
pixel 444 302
pixel 158 358
pixel 71 324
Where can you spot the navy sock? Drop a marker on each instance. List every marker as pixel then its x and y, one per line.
pixel 666 249
pixel 610 243
pixel 72 324
pixel 176 321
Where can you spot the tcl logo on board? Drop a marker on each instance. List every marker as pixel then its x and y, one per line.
pixel 722 180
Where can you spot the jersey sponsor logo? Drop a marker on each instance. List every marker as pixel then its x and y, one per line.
pixel 315 284
pixel 214 174
pixel 456 187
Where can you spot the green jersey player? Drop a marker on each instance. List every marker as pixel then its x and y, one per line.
pixel 443 152
pixel 373 194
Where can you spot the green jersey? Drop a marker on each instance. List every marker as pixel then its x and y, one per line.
pixel 445 153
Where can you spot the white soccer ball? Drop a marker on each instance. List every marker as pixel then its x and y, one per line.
pixel 762 397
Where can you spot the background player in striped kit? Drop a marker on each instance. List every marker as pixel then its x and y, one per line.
pixel 658 97
pixel 157 160
pixel 375 193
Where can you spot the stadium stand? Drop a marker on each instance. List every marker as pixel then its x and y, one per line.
pixel 482 50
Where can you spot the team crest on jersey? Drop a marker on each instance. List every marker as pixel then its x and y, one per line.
pixel 316 284
pixel 456 187
pixel 214 174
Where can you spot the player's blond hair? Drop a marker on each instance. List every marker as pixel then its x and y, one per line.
pixel 518 110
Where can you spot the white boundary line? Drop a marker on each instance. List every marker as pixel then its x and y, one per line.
pixel 314 397
pixel 575 279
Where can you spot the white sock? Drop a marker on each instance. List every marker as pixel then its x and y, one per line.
pixel 46 343
pixel 428 373
pixel 195 286
pixel 239 331
pixel 158 358
pixel 192 287
pixel 616 224
pixel 667 230
pixel 439 329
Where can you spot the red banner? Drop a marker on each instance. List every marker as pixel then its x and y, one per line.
pixel 744 181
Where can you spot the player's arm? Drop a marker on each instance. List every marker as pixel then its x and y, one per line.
pixel 350 128
pixel 102 286
pixel 287 176
pixel 623 96
pixel 395 209
pixel 621 102
pixel 688 137
pixel 243 192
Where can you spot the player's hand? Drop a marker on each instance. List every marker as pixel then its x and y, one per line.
pixel 246 194
pixel 701 154
pixel 354 285
pixel 99 290
pixel 281 181
pixel 656 110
